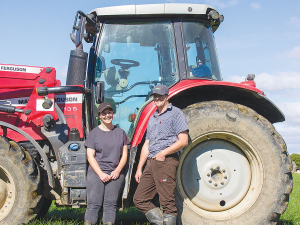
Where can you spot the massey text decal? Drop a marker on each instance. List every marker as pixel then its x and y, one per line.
pixel 15 101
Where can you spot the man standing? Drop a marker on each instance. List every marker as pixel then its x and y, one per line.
pixel 166 135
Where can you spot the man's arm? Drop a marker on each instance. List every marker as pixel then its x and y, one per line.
pixel 143 159
pixel 182 141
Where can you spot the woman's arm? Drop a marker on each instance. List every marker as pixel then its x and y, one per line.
pixel 116 173
pixel 94 164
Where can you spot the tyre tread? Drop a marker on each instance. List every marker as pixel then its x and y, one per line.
pixel 233 111
pixel 14 152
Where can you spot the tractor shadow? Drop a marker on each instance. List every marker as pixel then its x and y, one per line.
pixel 69 215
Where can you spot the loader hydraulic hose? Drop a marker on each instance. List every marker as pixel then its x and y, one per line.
pixel 42 91
pixel 10 109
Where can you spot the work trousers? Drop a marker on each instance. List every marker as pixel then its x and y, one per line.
pixel 159 177
pixel 99 193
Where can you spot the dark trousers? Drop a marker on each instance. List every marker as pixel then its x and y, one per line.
pixel 99 193
pixel 158 178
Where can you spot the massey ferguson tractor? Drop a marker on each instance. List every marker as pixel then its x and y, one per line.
pixel 236 168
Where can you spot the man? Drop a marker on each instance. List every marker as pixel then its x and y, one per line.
pixel 166 135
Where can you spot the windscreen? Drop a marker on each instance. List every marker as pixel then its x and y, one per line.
pixel 200 51
pixel 133 57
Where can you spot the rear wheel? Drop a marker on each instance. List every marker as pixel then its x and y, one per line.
pixel 20 197
pixel 236 170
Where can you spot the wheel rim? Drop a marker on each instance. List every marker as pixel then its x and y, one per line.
pixel 218 175
pixel 7 193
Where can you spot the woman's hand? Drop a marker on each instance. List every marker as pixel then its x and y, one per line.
pixel 114 174
pixel 105 177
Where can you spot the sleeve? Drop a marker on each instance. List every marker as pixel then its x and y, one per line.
pixel 147 136
pixel 148 133
pixel 180 123
pixel 125 139
pixel 89 142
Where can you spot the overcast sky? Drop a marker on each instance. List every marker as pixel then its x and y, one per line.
pixel 259 37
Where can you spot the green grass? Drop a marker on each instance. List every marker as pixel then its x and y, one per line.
pixel 67 215
pixel 132 216
pixel 292 216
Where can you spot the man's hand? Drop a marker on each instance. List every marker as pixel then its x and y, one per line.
pixel 138 175
pixel 160 156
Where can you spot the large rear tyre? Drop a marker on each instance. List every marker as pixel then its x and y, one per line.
pixel 236 170
pixel 20 197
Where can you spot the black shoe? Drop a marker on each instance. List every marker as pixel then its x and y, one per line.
pixel 155 216
pixel 169 219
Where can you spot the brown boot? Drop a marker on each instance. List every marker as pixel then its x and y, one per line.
pixel 155 216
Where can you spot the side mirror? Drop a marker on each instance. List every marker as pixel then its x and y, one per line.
pixel 100 92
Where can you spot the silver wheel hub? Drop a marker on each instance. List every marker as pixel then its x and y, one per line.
pixel 216 175
pixel 7 193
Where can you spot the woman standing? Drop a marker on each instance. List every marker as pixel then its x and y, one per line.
pixel 107 155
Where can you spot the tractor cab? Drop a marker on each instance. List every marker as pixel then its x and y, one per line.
pixel 138 47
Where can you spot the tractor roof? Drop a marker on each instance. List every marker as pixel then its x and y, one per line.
pixel 176 10
pixel 154 9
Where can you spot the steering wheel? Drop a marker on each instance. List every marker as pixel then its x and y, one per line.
pixel 125 63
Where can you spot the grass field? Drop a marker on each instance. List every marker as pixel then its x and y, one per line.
pixel 292 216
pixel 131 216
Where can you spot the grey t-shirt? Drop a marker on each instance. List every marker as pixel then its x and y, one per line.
pixel 108 146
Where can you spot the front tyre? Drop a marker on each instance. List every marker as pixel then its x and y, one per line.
pixel 20 197
pixel 236 170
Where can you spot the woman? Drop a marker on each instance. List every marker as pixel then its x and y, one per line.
pixel 107 155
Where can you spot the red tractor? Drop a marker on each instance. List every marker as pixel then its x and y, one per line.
pixel 236 168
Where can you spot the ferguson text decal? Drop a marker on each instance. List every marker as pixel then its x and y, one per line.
pixel 22 69
pixel 68 99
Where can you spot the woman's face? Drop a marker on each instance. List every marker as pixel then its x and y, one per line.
pixel 106 116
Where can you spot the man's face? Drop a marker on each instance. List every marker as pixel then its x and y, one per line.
pixel 160 100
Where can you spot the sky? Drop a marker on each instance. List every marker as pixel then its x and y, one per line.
pixel 257 37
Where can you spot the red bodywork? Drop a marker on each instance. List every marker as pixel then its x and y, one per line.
pixel 179 87
pixel 18 88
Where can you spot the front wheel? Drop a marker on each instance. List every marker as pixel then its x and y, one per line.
pixel 236 170
pixel 20 196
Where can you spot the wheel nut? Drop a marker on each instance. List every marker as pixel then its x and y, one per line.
pixel 222 183
pixel 225 177
pixel 216 184
pixel 210 181
pixel 208 174
pixel 218 167
pixel 211 168
pixel 224 170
